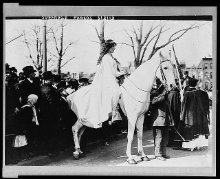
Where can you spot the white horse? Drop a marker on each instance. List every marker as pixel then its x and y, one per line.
pixel 134 101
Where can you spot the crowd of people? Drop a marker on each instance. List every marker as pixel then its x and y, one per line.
pixel 36 108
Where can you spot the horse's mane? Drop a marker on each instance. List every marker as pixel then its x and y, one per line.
pixel 148 68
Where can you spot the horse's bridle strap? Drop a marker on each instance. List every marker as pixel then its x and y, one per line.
pixel 136 86
pixel 132 96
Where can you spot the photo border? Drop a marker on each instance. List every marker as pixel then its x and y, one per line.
pixel 13 10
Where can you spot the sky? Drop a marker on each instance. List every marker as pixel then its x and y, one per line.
pixel 190 48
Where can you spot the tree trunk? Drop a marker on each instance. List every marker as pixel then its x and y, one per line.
pixel 102 36
pixel 59 66
pixel 137 59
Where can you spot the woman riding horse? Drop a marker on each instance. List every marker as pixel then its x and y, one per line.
pixel 95 103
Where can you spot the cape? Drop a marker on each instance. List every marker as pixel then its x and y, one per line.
pixel 194 119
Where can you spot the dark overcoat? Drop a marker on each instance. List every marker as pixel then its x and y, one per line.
pixel 25 88
pixel 195 114
pixel 160 112
pixel 175 105
pixel 50 104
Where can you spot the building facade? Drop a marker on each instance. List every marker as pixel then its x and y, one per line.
pixel 206 65
pixel 203 72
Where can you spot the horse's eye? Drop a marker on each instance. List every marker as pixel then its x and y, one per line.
pixel 165 68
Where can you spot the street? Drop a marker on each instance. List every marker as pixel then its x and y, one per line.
pixel 114 154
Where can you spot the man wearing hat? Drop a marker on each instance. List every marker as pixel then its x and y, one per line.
pixel 187 79
pixel 83 81
pixel 50 114
pixel 28 85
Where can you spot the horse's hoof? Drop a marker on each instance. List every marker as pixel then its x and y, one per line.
pixel 145 158
pixel 76 155
pixel 131 161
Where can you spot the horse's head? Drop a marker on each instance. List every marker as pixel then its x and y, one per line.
pixel 166 72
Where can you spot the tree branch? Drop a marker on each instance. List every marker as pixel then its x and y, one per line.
pixel 125 44
pixel 149 32
pixel 97 33
pixel 172 40
pixel 141 32
pixel 71 43
pixel 132 43
pixel 67 61
pixel 136 36
pixel 55 40
pixel 53 55
pixel 145 48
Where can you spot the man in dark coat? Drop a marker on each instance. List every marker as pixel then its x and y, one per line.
pixel 175 109
pixel 50 114
pixel 28 85
pixel 161 120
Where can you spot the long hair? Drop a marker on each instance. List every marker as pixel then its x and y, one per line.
pixel 108 44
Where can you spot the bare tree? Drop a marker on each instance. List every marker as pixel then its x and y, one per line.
pixel 60 46
pixel 33 42
pixel 101 35
pixel 143 43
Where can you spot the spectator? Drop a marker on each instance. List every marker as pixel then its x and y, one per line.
pixel 50 115
pixel 11 102
pixel 21 76
pixel 28 121
pixel 72 86
pixel 83 82
pixel 161 120
pixel 175 109
pixel 56 80
pixel 186 80
pixel 194 117
pixel 61 87
pixel 28 85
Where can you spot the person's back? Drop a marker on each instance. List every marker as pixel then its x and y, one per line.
pixel 50 99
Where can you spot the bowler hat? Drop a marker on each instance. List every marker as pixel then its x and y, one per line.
pixel 28 70
pixel 84 80
pixel 73 83
pixel 193 82
pixel 48 75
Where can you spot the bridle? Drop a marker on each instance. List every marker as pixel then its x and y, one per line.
pixel 163 77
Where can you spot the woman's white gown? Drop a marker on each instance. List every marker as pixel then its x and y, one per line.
pixel 93 103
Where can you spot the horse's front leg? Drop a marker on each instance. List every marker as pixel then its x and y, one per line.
pixel 80 133
pixel 75 130
pixel 139 127
pixel 130 135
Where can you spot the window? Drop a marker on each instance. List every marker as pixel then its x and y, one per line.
pixel 205 66
pixel 207 74
pixel 211 75
pixel 210 65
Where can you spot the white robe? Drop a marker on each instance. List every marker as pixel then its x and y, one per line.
pixel 93 103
